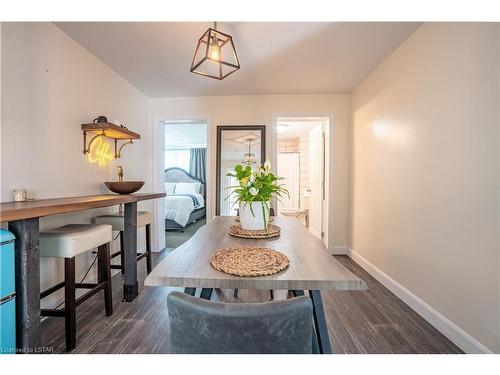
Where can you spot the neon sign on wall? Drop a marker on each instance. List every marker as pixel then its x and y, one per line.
pixel 100 152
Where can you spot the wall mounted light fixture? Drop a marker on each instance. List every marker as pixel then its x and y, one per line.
pixel 98 150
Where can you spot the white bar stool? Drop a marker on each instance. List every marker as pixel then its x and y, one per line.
pixel 67 242
pixel 117 221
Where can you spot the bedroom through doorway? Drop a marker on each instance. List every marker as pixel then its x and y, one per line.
pixel 185 180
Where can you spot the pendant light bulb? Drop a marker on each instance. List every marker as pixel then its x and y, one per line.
pixel 249 158
pixel 214 52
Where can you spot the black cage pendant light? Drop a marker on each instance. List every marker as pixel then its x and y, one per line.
pixel 215 55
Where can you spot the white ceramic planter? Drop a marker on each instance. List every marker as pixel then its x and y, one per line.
pixel 256 221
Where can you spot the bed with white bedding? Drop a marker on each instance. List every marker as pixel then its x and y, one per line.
pixel 185 200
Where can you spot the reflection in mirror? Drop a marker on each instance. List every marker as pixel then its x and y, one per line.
pixel 236 145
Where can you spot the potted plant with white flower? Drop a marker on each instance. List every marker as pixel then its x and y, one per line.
pixel 254 192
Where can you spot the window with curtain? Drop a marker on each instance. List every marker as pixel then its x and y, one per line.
pixel 177 158
pixel 197 163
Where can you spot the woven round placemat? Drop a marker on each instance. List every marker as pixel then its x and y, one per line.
pixel 249 261
pixel 271 231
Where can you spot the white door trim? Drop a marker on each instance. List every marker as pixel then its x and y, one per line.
pixel 329 130
pixel 159 167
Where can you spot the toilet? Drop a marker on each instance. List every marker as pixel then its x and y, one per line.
pixel 299 213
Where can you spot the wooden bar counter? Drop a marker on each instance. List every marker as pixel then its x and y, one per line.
pixel 24 218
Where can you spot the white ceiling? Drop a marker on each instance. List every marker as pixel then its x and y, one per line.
pixel 235 144
pixel 292 128
pixel 276 58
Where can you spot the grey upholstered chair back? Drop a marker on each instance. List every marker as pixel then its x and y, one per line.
pixel 199 326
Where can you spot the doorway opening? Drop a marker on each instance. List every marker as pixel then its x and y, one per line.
pixel 301 151
pixel 185 180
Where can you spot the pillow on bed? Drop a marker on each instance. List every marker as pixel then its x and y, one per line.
pixel 169 188
pixel 187 188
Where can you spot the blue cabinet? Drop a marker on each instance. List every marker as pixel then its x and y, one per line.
pixel 7 293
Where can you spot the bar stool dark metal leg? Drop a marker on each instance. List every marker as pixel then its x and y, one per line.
pixel 70 285
pixel 122 246
pixel 70 303
pixel 271 292
pixel 148 248
pixel 104 275
pixel 236 292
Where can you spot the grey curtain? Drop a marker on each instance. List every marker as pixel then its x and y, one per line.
pixel 197 163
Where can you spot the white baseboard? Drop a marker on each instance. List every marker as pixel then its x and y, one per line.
pixel 338 250
pixel 454 333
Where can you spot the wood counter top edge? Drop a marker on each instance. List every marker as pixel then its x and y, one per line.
pixel 10 211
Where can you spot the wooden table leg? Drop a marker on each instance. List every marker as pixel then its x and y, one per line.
pixel 27 268
pixel 130 286
pixel 320 325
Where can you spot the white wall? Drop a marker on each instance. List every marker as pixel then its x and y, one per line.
pixel 425 178
pixel 51 85
pixel 425 155
pixel 261 110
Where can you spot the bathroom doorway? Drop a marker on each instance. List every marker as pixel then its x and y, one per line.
pixel 301 153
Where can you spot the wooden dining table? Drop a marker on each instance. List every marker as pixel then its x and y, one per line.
pixel 23 221
pixel 311 268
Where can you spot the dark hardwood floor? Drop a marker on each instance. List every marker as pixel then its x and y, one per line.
pixel 372 321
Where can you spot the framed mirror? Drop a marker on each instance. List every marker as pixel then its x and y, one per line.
pixel 236 145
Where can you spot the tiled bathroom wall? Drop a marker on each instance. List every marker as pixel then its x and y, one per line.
pixel 300 145
pixel 304 164
pixel 288 145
